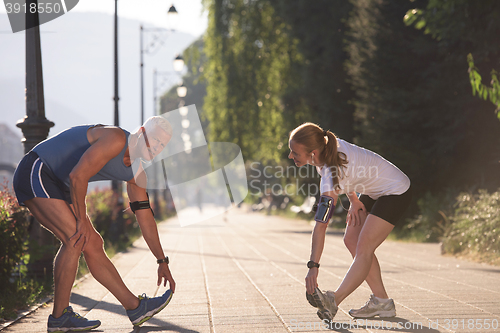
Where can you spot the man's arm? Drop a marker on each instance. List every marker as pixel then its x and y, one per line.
pixel 149 230
pixel 106 143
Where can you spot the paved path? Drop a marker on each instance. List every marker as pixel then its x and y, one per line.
pixel 245 273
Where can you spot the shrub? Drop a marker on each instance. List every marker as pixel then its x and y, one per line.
pixel 432 222
pixel 103 210
pixel 475 227
pixel 13 233
pixel 16 289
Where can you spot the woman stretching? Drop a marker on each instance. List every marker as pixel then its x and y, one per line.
pixel 385 195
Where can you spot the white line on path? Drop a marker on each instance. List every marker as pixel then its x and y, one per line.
pixel 205 277
pixel 259 237
pixel 252 282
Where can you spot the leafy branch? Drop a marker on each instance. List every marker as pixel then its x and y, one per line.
pixel 492 93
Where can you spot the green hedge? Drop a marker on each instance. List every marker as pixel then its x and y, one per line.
pixel 16 290
pixel 475 227
pixel 432 220
pixel 117 227
pixel 13 232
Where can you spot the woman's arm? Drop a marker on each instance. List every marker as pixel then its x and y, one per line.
pixel 317 246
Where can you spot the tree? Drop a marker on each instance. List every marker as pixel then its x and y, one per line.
pixel 477 23
pixel 485 92
pixel 320 27
pixel 248 53
pixel 413 101
pixel 271 66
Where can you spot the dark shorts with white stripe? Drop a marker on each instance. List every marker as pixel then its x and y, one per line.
pixel 34 179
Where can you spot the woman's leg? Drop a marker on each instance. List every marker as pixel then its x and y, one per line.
pixel 374 278
pixel 374 231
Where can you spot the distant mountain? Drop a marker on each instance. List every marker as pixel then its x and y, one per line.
pixel 11 149
pixel 11 152
pixel 77 58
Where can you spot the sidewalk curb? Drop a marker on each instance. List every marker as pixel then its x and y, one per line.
pixel 23 313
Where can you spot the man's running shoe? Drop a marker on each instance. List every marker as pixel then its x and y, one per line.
pixel 70 322
pixel 375 307
pixel 148 307
pixel 327 309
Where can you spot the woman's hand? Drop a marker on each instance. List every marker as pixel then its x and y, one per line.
pixel 165 275
pixel 357 213
pixel 312 280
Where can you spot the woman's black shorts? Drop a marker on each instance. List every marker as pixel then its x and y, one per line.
pixel 388 207
pixel 34 179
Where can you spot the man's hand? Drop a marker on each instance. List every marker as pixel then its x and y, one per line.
pixel 83 233
pixel 312 280
pixel 164 273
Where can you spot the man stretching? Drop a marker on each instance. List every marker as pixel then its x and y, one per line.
pixel 52 180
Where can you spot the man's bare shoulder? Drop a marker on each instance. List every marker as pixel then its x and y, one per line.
pixel 106 133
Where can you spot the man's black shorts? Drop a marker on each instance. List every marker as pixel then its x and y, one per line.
pixel 34 179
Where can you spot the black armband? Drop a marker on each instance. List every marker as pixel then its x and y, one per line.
pixel 325 208
pixel 136 205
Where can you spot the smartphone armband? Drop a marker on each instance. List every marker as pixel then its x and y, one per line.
pixel 325 209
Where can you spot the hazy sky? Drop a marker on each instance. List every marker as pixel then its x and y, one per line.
pixel 78 61
pixel 192 19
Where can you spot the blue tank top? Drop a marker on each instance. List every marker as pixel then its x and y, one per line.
pixel 63 151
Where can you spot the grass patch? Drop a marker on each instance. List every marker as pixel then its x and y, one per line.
pixel 21 295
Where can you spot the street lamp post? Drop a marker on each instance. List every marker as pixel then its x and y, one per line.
pixel 152 46
pixel 166 76
pixel 181 90
pixel 117 186
pixel 160 35
pixel 116 98
pixel 35 128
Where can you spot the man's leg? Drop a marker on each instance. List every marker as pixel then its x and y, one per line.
pixel 56 216
pixel 103 270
